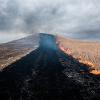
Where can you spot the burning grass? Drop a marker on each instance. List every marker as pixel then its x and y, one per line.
pixel 87 53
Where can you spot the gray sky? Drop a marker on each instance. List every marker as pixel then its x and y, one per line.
pixel 73 18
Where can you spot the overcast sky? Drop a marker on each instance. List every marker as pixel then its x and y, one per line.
pixel 74 18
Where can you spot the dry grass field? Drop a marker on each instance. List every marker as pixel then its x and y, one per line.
pixel 12 51
pixel 8 55
pixel 85 51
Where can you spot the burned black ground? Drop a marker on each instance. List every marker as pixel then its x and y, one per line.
pixel 48 74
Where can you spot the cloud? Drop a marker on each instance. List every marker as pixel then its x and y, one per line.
pixel 64 17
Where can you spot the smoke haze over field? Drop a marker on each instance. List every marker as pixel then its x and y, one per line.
pixel 10 37
pixel 73 18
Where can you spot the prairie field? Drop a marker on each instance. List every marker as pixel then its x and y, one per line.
pixel 86 52
pixel 12 51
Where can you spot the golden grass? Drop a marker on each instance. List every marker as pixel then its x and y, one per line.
pixel 85 52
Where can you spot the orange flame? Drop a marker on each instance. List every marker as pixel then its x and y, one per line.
pixel 87 63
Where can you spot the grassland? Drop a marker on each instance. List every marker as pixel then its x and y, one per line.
pixel 85 52
pixel 12 51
